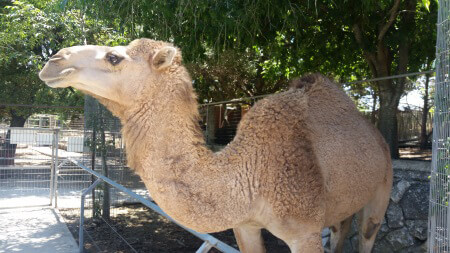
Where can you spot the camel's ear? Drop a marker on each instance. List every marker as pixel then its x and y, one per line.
pixel 164 58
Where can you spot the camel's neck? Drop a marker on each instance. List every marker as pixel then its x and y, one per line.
pixel 166 147
pixel 165 134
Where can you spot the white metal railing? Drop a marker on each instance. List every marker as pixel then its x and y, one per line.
pixel 209 241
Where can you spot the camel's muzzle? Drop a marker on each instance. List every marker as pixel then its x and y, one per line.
pixel 53 75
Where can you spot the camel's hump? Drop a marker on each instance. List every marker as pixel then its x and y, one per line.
pixel 306 81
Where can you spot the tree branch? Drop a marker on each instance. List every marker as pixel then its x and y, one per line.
pixel 358 35
pixel 369 56
pixel 408 22
pixel 393 15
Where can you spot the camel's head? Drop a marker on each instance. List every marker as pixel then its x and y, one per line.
pixel 117 74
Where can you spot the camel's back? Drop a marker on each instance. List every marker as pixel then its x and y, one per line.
pixel 313 132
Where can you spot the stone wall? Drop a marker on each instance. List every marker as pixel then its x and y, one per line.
pixel 405 226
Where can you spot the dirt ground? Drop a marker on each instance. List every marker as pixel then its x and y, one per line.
pixel 415 153
pixel 146 231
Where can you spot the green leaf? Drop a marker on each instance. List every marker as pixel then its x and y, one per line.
pixel 426 4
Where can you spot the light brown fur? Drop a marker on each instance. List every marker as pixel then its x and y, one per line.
pixel 302 160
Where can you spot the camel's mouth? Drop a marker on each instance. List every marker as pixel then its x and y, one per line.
pixel 54 77
pixel 56 83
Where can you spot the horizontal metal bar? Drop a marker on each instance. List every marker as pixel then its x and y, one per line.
pixel 74 182
pixel 25 168
pixel 346 83
pixel 205 237
pixel 235 100
pixel 45 157
pixel 43 106
pixel 391 77
pixel 30 128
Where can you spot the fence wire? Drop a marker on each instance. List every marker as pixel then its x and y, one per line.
pixel 25 167
pixel 32 161
pixel 439 214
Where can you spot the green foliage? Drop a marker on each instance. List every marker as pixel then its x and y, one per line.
pixel 270 42
pixel 31 31
pixel 29 35
pixel 278 41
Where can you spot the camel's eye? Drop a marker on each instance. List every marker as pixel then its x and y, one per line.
pixel 113 59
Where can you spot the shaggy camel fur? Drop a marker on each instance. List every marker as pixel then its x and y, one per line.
pixel 302 160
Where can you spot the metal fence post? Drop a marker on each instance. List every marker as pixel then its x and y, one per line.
pixel 207 126
pixel 93 150
pixel 56 168
pixel 212 241
pixel 81 230
pixel 52 169
pixel 206 247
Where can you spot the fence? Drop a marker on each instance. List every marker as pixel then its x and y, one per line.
pixel 103 152
pixel 219 122
pixel 439 213
pixel 29 164
pixel 31 159
pixel 209 241
pixel 25 171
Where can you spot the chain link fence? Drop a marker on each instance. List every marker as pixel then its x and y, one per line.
pixel 439 213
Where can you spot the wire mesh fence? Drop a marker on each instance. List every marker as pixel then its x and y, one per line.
pixel 25 167
pixel 69 179
pixel 31 162
pixel 439 213
pixel 102 151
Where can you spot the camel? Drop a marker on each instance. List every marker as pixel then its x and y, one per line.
pixel 302 160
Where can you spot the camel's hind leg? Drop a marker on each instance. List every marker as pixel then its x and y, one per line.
pixel 370 218
pixel 306 243
pixel 249 239
pixel 339 233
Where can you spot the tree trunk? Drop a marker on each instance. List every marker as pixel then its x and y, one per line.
pixel 374 107
pixel 8 150
pixel 387 123
pixel 423 129
pixel 380 62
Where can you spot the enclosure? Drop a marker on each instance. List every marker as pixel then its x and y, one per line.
pixel 237 52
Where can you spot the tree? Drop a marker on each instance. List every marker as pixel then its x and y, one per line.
pixel 29 36
pixel 424 135
pixel 31 31
pixel 346 40
pixel 386 47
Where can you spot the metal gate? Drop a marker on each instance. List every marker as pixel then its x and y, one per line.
pixel 31 162
pixel 27 162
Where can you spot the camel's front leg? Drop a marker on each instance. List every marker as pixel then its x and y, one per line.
pixel 249 239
